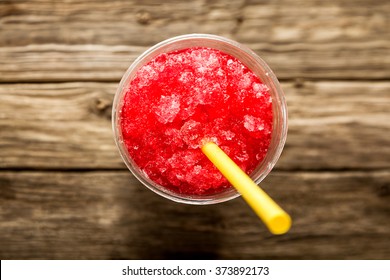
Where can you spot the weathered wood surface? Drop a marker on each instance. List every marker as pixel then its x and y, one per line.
pixel 45 40
pixel 65 194
pixel 147 22
pixel 103 215
pixel 48 63
pixel 332 125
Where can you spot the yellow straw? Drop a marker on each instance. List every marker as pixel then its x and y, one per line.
pixel 274 217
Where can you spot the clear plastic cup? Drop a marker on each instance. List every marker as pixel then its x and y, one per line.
pixel 247 57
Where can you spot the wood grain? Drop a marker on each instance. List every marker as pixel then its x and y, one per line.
pixel 109 215
pixel 65 193
pixel 96 40
pixel 123 22
pixel 332 125
pixel 59 63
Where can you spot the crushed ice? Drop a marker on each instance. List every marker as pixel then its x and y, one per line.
pixel 252 123
pixel 260 89
pixel 167 108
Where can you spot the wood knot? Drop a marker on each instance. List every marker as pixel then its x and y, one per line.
pixel 383 190
pixel 102 107
pixel 102 104
pixel 299 83
pixel 143 18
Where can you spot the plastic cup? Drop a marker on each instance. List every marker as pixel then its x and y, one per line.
pixel 247 57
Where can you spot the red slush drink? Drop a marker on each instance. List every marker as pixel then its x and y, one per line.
pixel 177 98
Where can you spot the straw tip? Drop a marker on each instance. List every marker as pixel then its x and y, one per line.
pixel 280 224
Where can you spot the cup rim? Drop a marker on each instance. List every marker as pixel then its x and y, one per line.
pixel 231 193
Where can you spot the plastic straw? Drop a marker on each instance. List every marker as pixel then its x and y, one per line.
pixel 273 216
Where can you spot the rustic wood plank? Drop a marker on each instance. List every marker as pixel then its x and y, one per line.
pixel 48 63
pixel 45 63
pixel 127 22
pixel 332 125
pixel 68 41
pixel 109 215
pixel 112 23
pixel 337 125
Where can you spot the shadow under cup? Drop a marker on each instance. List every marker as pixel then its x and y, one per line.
pixel 253 62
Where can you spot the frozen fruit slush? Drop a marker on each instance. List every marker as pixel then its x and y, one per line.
pixel 182 98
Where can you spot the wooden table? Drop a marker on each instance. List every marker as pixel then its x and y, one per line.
pixel 65 193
